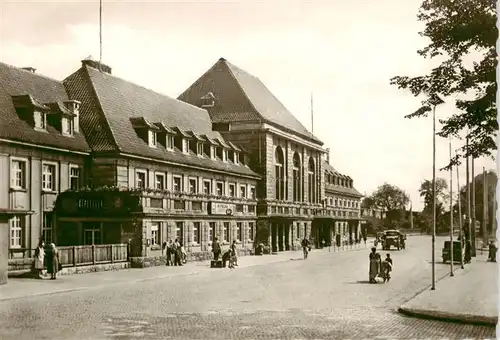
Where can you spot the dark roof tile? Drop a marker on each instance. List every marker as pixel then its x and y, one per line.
pixel 16 83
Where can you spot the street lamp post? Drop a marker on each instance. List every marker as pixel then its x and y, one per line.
pixel 451 216
pixel 460 220
pixel 434 100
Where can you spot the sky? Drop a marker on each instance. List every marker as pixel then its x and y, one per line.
pixel 343 52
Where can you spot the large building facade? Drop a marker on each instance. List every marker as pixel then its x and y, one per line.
pixel 284 153
pixel 96 159
pixel 42 153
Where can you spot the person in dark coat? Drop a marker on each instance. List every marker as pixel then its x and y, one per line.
pixel 169 253
pixel 468 248
pixel 226 258
pixel 53 261
pixel 216 249
pixel 177 253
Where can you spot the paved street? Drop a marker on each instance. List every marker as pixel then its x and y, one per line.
pixel 325 297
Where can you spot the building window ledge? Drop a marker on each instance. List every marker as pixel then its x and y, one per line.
pixel 14 189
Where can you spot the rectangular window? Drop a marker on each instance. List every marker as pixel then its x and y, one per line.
pixel 159 181
pixel 232 190
pixel 152 138
pixel 298 230
pixel 192 186
pixel 206 187
pixel 239 231
pixel 155 233
pixel 239 208
pixel 140 179
pixel 251 209
pixel 251 231
pixel 220 189
pixel 196 232
pixel 196 205
pixel 252 193
pixel 74 177
pixel 243 191
pixel 16 227
pixel 224 155
pixel 236 158
pixel 211 231
pixel 40 120
pixel 67 126
pixel 48 220
pixel 200 149
pixel 170 142
pixel 177 183
pixel 179 231
pixel 18 179
pixel 225 232
pixel 49 177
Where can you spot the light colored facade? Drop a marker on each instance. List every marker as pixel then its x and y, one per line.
pixel 42 153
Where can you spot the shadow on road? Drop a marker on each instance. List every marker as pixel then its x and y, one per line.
pixel 358 282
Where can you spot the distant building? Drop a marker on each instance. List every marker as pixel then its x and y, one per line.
pixel 283 152
pixel 43 152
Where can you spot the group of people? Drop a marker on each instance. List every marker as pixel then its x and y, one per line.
pixel 176 255
pixel 379 268
pixel 229 256
pixel 46 261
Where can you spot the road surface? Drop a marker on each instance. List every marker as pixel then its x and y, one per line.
pixel 324 297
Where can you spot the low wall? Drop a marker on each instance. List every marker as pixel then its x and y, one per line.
pixel 152 261
pixel 18 267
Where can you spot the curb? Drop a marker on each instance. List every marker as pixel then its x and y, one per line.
pixel 448 317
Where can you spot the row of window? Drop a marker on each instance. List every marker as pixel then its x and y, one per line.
pixel 297 181
pixel 67 123
pixel 19 175
pixel 339 202
pixel 234 190
pixel 173 142
pixel 225 235
pixel 337 180
pixel 17 230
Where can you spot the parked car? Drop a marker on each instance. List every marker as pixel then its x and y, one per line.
pixel 393 238
pixel 458 252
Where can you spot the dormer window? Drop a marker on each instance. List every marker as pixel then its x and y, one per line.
pixel 224 155
pixel 208 100
pixel 218 152
pixel 170 142
pixel 199 149
pixel 152 138
pixel 40 120
pixel 146 130
pixel 236 158
pixel 67 126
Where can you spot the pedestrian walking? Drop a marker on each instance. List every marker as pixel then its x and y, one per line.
pixel 305 247
pixel 177 253
pixel 234 258
pixel 216 249
pixel 39 262
pixel 468 248
pixel 387 268
pixel 53 265
pixel 169 253
pixel 374 267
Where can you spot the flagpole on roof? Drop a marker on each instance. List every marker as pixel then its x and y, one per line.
pixel 312 114
pixel 100 34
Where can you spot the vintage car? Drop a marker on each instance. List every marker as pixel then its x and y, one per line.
pixel 393 238
pixel 458 251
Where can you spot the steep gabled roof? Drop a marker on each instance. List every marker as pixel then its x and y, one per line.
pixel 242 97
pixel 116 101
pixel 18 84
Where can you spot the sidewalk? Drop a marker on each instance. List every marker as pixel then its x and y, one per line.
pixel 471 296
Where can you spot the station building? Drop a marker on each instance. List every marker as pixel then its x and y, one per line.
pixel 291 193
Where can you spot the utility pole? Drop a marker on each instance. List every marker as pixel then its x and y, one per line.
pixel 473 212
pixel 451 216
pixel 468 192
pixel 460 219
pixel 485 208
pixel 433 198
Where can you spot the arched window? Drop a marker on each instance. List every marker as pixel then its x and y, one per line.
pixel 311 181
pixel 296 178
pixel 279 173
